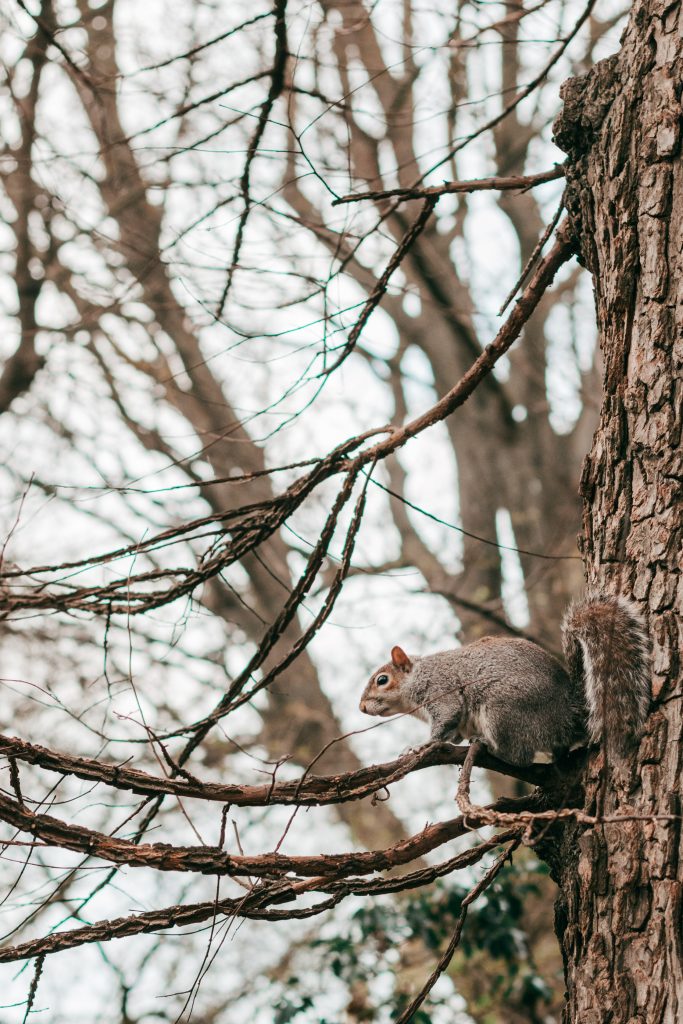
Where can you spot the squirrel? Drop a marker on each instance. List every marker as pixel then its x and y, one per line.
pixel 517 698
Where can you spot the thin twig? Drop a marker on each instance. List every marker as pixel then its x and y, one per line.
pixel 447 955
pixel 531 262
pixel 397 257
pixel 463 794
pixel 277 83
pixel 33 989
pixel 502 184
pixel 522 95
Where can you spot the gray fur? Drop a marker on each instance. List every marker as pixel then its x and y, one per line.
pixel 518 699
pixel 606 645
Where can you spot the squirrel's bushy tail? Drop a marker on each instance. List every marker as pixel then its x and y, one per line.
pixel 607 650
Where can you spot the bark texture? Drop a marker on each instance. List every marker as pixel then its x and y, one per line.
pixel 619 913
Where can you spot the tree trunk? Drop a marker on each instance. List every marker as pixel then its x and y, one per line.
pixel 619 913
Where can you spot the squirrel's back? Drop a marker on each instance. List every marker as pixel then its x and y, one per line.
pixel 607 647
pixel 508 692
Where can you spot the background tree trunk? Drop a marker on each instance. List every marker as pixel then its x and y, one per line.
pixel 619 913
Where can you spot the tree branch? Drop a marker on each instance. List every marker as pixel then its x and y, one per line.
pixel 515 181
pixel 315 790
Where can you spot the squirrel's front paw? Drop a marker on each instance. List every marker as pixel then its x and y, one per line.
pixel 451 739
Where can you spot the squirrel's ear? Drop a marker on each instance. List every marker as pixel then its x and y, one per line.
pixel 400 659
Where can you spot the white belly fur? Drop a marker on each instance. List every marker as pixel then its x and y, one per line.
pixel 475 726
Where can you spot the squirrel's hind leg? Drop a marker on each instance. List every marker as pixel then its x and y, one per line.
pixel 559 754
pixel 513 750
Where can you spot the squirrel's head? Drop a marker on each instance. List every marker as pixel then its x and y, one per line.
pixel 385 694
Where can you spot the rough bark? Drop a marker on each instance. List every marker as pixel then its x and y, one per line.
pixel 619 913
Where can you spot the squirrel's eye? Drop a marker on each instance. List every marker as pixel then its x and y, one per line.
pixel 382 680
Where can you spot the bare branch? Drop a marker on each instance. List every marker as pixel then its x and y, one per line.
pixel 447 955
pixel 207 860
pixel 510 183
pixel 315 790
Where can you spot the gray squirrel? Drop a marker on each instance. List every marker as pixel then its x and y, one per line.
pixel 517 698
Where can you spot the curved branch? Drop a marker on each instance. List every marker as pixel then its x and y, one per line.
pixel 208 860
pixel 314 791
pixel 254 905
